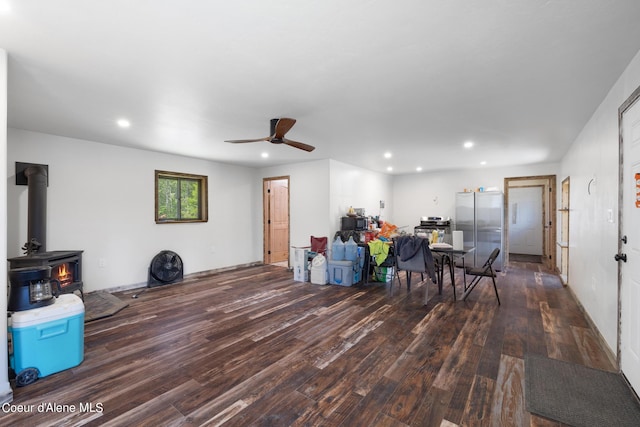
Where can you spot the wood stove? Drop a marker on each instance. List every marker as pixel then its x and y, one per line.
pixel 66 267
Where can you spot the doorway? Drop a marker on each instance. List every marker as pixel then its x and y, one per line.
pixel 526 223
pixel 563 244
pixel 628 255
pixel 275 214
pixel 546 184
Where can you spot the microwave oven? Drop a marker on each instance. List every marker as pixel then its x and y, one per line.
pixel 354 223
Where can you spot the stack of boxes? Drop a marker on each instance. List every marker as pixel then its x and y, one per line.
pixel 300 264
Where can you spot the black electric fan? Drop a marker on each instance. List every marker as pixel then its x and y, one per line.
pixel 165 268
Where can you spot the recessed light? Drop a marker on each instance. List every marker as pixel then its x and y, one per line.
pixel 418 169
pixel 389 168
pixel 264 155
pixel 387 155
pixel 468 144
pixel 123 123
pixel 484 162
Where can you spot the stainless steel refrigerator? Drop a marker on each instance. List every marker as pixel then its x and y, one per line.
pixel 480 218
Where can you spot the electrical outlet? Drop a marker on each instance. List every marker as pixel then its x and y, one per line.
pixel 102 262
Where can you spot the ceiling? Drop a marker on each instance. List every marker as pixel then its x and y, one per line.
pixel 415 78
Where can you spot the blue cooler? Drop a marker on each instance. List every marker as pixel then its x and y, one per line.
pixel 48 339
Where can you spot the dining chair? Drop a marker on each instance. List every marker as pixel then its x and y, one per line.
pixel 414 256
pixel 479 273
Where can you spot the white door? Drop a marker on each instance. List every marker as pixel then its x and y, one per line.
pixel 525 220
pixel 630 227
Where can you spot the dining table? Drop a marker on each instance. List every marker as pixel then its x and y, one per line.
pixel 446 254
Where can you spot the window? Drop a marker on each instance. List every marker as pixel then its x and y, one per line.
pixel 180 197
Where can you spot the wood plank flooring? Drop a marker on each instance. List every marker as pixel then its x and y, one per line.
pixel 251 347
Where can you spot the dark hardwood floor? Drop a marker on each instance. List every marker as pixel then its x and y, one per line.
pixel 537 259
pixel 253 347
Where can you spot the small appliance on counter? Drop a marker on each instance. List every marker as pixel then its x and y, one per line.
pixel 359 223
pixel 439 224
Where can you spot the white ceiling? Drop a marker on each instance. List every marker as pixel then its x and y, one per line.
pixel 416 78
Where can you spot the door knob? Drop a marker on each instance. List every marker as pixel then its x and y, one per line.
pixel 621 257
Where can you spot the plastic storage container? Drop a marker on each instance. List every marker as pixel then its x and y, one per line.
pixel 342 273
pixel 351 250
pixel 48 339
pixel 319 273
pixel 337 249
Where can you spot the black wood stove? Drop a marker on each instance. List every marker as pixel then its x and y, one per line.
pixel 66 266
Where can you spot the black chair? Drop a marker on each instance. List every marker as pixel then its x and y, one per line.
pixel 414 256
pixel 479 272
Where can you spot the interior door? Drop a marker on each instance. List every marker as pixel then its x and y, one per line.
pixel 525 220
pixel 548 183
pixel 629 271
pixel 276 220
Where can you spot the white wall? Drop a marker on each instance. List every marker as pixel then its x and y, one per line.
pixel 308 202
pixel 593 273
pixel 433 194
pixel 101 200
pixel 352 186
pixel 6 393
pixel 320 193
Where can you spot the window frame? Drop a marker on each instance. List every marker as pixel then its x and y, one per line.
pixel 203 203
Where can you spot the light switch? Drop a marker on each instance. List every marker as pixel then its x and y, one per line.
pixel 610 216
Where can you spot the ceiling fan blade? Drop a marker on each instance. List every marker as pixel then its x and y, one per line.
pixel 300 145
pixel 238 141
pixel 283 127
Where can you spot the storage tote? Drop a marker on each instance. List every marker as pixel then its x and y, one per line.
pixel 341 272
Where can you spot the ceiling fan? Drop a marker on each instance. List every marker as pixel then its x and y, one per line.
pixel 278 128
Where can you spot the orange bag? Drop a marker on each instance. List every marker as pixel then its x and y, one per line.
pixel 387 230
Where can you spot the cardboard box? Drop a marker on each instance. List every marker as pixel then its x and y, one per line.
pixel 301 256
pixel 300 273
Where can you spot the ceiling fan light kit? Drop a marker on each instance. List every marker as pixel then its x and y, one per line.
pixel 279 127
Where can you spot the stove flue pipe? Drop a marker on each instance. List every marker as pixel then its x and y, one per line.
pixel 37 215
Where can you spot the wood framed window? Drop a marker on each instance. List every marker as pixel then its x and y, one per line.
pixel 180 197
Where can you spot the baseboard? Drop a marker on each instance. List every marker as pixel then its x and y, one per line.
pixel 611 355
pixel 7 397
pixel 187 277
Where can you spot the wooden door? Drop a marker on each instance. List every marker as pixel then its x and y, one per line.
pixel 629 245
pixel 276 219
